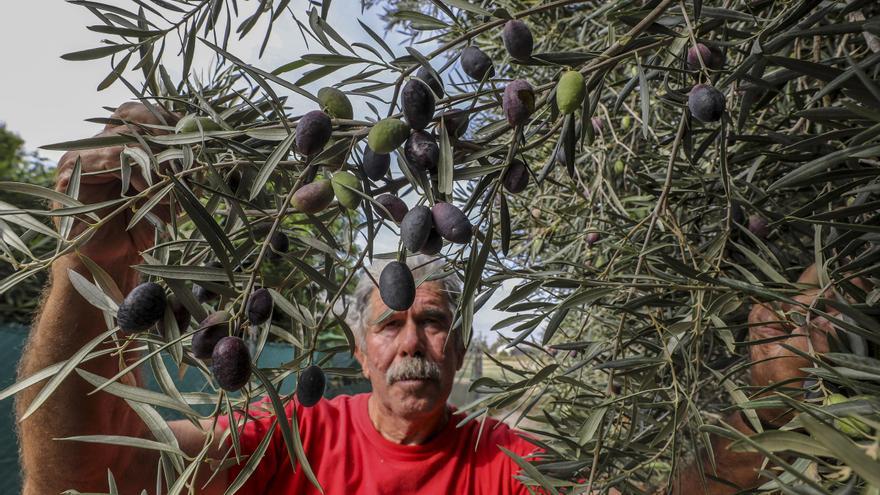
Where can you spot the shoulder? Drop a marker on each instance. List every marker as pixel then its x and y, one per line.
pixel 341 406
pixel 324 406
pixel 496 469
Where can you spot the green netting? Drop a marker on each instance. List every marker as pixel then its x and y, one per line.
pixel 12 339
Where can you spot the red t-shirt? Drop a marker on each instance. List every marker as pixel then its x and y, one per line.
pixel 349 457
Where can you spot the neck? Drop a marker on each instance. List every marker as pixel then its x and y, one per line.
pixel 406 431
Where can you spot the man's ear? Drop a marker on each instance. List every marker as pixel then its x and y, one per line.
pixel 460 358
pixel 362 359
pixel 461 351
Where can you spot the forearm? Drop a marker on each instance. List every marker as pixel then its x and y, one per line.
pixel 738 469
pixel 67 322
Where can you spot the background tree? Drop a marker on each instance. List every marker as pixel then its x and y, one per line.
pixel 16 164
pixel 719 150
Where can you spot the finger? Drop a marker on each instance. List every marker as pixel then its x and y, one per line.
pixel 799 339
pixel 772 361
pixel 807 300
pixel 139 113
pixel 99 192
pixel 776 364
pixel 861 284
pixel 161 209
pixel 762 313
pixel 767 332
pixel 88 181
pixel 91 161
pixel 757 312
pixel 820 331
pixel 810 276
pixel 137 183
pixel 142 234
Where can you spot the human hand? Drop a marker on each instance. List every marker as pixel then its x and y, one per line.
pixel 772 362
pixel 112 243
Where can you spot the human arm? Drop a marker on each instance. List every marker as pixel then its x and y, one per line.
pixel 65 323
pixel 736 470
pixel 50 466
pixel 773 365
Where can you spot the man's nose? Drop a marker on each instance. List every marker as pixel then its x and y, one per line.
pixel 411 340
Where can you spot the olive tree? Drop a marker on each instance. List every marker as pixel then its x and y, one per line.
pixel 641 173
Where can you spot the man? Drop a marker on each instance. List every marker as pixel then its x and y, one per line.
pixel 401 438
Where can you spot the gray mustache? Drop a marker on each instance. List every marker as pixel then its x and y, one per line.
pixel 413 369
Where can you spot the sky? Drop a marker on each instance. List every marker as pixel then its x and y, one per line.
pixel 45 99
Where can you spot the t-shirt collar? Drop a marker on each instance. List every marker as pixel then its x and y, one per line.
pixel 437 444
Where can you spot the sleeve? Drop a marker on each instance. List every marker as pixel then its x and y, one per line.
pixel 250 434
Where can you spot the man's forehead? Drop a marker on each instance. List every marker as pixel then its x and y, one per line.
pixel 430 296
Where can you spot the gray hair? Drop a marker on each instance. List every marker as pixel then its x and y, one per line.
pixel 424 268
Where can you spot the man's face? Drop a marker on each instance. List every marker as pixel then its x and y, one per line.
pixel 406 357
